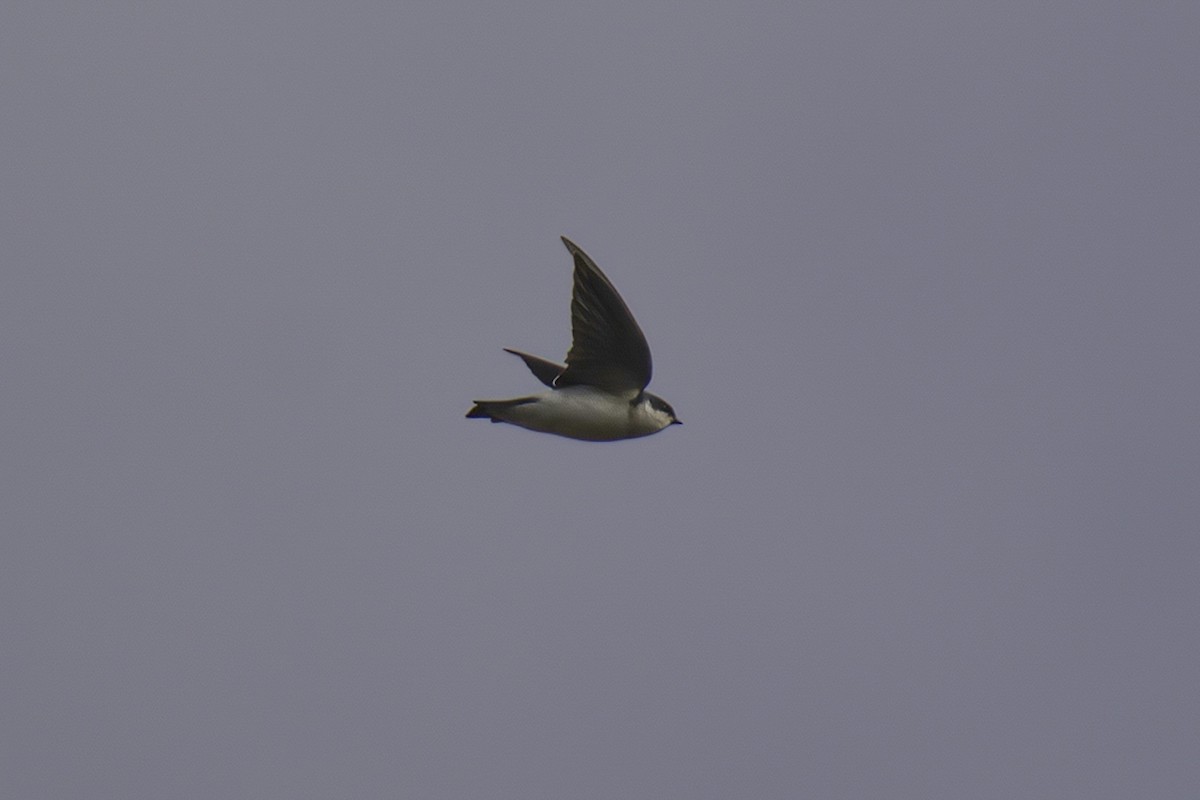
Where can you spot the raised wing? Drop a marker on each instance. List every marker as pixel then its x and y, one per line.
pixel 608 349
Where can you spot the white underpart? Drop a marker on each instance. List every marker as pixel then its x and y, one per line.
pixel 582 412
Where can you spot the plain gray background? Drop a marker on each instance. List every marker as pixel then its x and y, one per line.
pixel 921 279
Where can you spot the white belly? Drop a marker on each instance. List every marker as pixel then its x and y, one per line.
pixel 581 412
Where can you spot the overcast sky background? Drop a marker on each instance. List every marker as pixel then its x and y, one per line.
pixel 921 279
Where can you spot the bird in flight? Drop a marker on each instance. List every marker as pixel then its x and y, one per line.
pixel 600 394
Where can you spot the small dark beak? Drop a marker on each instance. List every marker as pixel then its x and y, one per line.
pixel 676 422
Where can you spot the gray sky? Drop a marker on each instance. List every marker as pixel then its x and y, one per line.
pixel 920 279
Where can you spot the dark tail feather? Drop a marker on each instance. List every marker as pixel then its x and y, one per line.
pixel 487 409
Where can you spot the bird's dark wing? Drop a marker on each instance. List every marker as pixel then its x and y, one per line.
pixel 608 349
pixel 545 371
